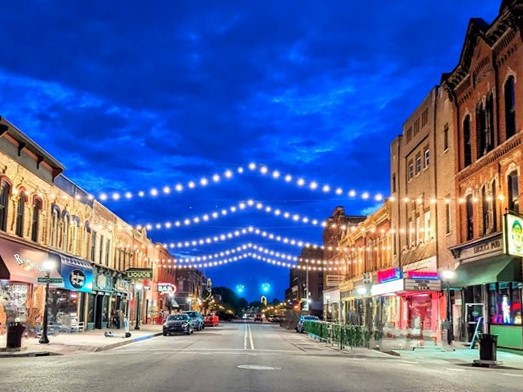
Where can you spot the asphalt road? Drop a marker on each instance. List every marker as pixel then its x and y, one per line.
pixel 244 357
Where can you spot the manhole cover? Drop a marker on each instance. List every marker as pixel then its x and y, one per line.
pixel 259 367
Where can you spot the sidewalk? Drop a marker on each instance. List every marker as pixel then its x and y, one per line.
pixel 78 342
pixel 458 355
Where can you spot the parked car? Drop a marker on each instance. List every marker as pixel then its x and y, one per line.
pixel 301 321
pixel 198 321
pixel 178 323
pixel 258 317
pixel 212 320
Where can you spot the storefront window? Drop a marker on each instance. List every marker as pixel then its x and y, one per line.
pixel 13 302
pixel 420 309
pixel 63 306
pixel 90 306
pixel 505 303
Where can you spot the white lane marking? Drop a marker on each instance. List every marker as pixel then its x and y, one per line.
pixel 245 337
pixel 455 370
pixel 259 367
pixel 250 338
pixel 512 374
pixel 409 362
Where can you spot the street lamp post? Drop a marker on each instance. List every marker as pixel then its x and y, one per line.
pixel 327 297
pixel 48 266
pixel 138 287
pixel 447 276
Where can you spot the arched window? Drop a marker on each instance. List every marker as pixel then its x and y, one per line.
pixel 20 214
pixel 510 107
pixel 75 224
pixel 66 221
pixel 35 219
pixel 513 191
pixel 470 217
pixel 5 191
pixel 55 215
pixel 467 146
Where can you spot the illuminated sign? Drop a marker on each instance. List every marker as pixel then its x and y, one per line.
pixel 426 275
pixel 139 273
pixel 389 274
pixel 513 235
pixel 166 288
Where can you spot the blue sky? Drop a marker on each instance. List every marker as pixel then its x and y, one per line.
pixel 131 96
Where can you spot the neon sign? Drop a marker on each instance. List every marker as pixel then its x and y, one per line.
pixel 389 274
pixel 427 275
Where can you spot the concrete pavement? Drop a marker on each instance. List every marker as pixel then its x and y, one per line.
pixel 78 342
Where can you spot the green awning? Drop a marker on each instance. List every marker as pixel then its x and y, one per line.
pixel 498 269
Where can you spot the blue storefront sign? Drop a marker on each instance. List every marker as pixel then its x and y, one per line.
pixel 77 274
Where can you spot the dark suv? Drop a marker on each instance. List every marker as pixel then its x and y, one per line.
pixel 177 323
pixel 198 321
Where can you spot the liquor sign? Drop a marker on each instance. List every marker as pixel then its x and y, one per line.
pixel 426 275
pixel 513 235
pixel 139 273
pixel 389 274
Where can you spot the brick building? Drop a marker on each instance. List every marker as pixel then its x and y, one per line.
pixel 486 91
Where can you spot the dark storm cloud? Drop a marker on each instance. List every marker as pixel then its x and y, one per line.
pixel 133 95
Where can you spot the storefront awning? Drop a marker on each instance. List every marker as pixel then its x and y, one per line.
pixel 77 274
pixel 22 263
pixel 499 269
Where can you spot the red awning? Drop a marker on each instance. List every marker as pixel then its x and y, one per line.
pixel 22 263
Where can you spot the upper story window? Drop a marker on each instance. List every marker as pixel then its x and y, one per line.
pixel 410 173
pixel 107 251
pixel 425 117
pixel 409 134
pixel 446 137
pixel 418 163
pixel 484 126
pixel 93 245
pixel 100 254
pixel 75 224
pixel 35 219
pixel 447 215
pixel 513 191
pixel 64 238
pixel 427 157
pixel 394 183
pixel 416 127
pixel 20 214
pixel 470 217
pixel 510 107
pixel 467 142
pixel 5 191
pixel 55 214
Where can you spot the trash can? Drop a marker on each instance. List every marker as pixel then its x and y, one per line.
pixel 15 331
pixel 488 345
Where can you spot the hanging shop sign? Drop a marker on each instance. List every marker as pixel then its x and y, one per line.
pixel 122 285
pixel 103 281
pixel 77 274
pixel 389 274
pixel 513 235
pixel 139 273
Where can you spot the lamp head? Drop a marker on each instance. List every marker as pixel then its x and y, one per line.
pixel 138 286
pixel 49 265
pixel 448 275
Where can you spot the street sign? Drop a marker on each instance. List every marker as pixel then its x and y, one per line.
pixel 50 280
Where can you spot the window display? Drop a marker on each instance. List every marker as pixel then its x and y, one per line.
pixel 505 303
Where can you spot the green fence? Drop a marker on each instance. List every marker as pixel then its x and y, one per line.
pixel 342 335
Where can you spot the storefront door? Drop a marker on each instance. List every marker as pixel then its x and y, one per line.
pixel 475 316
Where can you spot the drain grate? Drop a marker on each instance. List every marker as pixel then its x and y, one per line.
pixel 259 367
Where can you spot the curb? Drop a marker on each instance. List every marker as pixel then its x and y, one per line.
pixel 83 348
pixel 126 342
